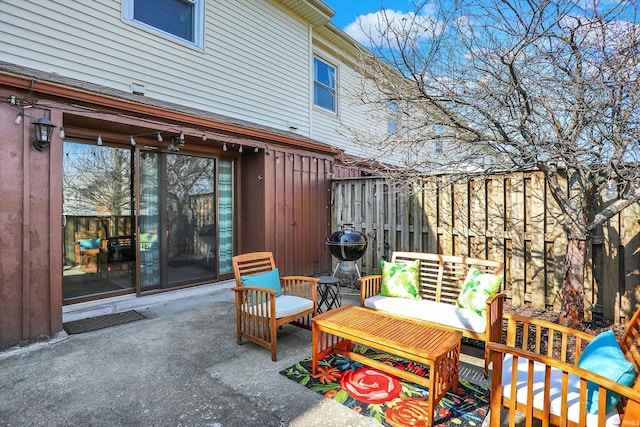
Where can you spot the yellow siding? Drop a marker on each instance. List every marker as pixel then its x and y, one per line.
pixel 255 63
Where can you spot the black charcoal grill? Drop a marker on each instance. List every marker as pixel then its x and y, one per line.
pixel 348 246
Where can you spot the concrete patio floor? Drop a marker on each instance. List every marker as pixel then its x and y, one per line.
pixel 180 366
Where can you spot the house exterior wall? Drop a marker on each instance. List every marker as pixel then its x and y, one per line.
pixel 254 65
pixel 250 84
pixel 282 206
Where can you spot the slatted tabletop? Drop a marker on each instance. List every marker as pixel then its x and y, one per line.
pixel 366 326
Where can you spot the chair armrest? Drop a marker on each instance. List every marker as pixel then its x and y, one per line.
pixel 245 297
pixel 242 294
pixel 495 306
pixel 300 286
pixel 242 289
pixel 369 286
pixel 499 350
pixel 549 325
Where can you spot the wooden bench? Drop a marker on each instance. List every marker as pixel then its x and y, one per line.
pixel 441 279
pixel 535 366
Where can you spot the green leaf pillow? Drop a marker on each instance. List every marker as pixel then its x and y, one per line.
pixel 401 280
pixel 477 289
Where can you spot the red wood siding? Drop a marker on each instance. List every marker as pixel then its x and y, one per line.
pixel 297 201
pixel 30 295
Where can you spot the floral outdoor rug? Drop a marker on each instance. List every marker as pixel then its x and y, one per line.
pixel 386 398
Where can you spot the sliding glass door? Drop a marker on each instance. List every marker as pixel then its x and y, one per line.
pixel 191 220
pixel 98 253
pixel 177 231
pixel 177 220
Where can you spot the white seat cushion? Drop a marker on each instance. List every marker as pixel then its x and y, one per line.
pixel 438 312
pixel 286 305
pixel 555 389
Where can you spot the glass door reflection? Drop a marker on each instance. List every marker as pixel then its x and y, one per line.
pixel 149 221
pixel 98 257
pixel 191 221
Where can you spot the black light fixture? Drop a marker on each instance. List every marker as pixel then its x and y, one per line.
pixel 174 145
pixel 44 130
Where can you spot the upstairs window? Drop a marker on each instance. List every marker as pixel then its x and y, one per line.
pixel 392 124
pixel 438 145
pixel 324 85
pixel 179 19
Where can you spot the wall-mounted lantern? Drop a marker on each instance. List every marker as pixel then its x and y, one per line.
pixel 44 130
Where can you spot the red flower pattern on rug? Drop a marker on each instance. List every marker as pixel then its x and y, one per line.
pixel 370 386
pixel 390 400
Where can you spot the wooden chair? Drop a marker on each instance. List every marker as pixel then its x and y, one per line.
pixel 85 255
pixel 535 373
pixel 259 313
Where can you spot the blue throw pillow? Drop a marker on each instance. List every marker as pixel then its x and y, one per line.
pixel 604 357
pixel 89 243
pixel 269 280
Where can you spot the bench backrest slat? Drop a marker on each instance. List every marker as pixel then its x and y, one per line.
pixel 442 276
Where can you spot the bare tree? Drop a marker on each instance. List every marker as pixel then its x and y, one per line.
pixel 513 84
pixel 96 178
pixel 189 180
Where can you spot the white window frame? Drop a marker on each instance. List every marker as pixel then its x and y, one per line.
pixel 198 24
pixel 335 83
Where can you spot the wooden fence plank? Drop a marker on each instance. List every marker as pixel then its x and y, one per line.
pixel 496 226
pixel 369 224
pixel 556 242
pixel 515 230
pixel 380 215
pixel 609 277
pixel 630 272
pixel 536 283
pixel 416 221
pixel 460 218
pixel 403 226
pixel 431 212
pixel 477 220
pixel 445 214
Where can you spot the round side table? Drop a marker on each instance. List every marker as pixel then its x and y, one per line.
pixel 328 293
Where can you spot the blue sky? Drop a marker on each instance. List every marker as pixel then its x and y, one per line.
pixel 348 10
pixel 355 17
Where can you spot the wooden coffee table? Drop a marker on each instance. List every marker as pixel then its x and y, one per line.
pixel 437 348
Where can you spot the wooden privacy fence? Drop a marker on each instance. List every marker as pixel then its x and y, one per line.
pixel 509 218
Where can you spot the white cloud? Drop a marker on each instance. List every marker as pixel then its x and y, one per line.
pixel 374 27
